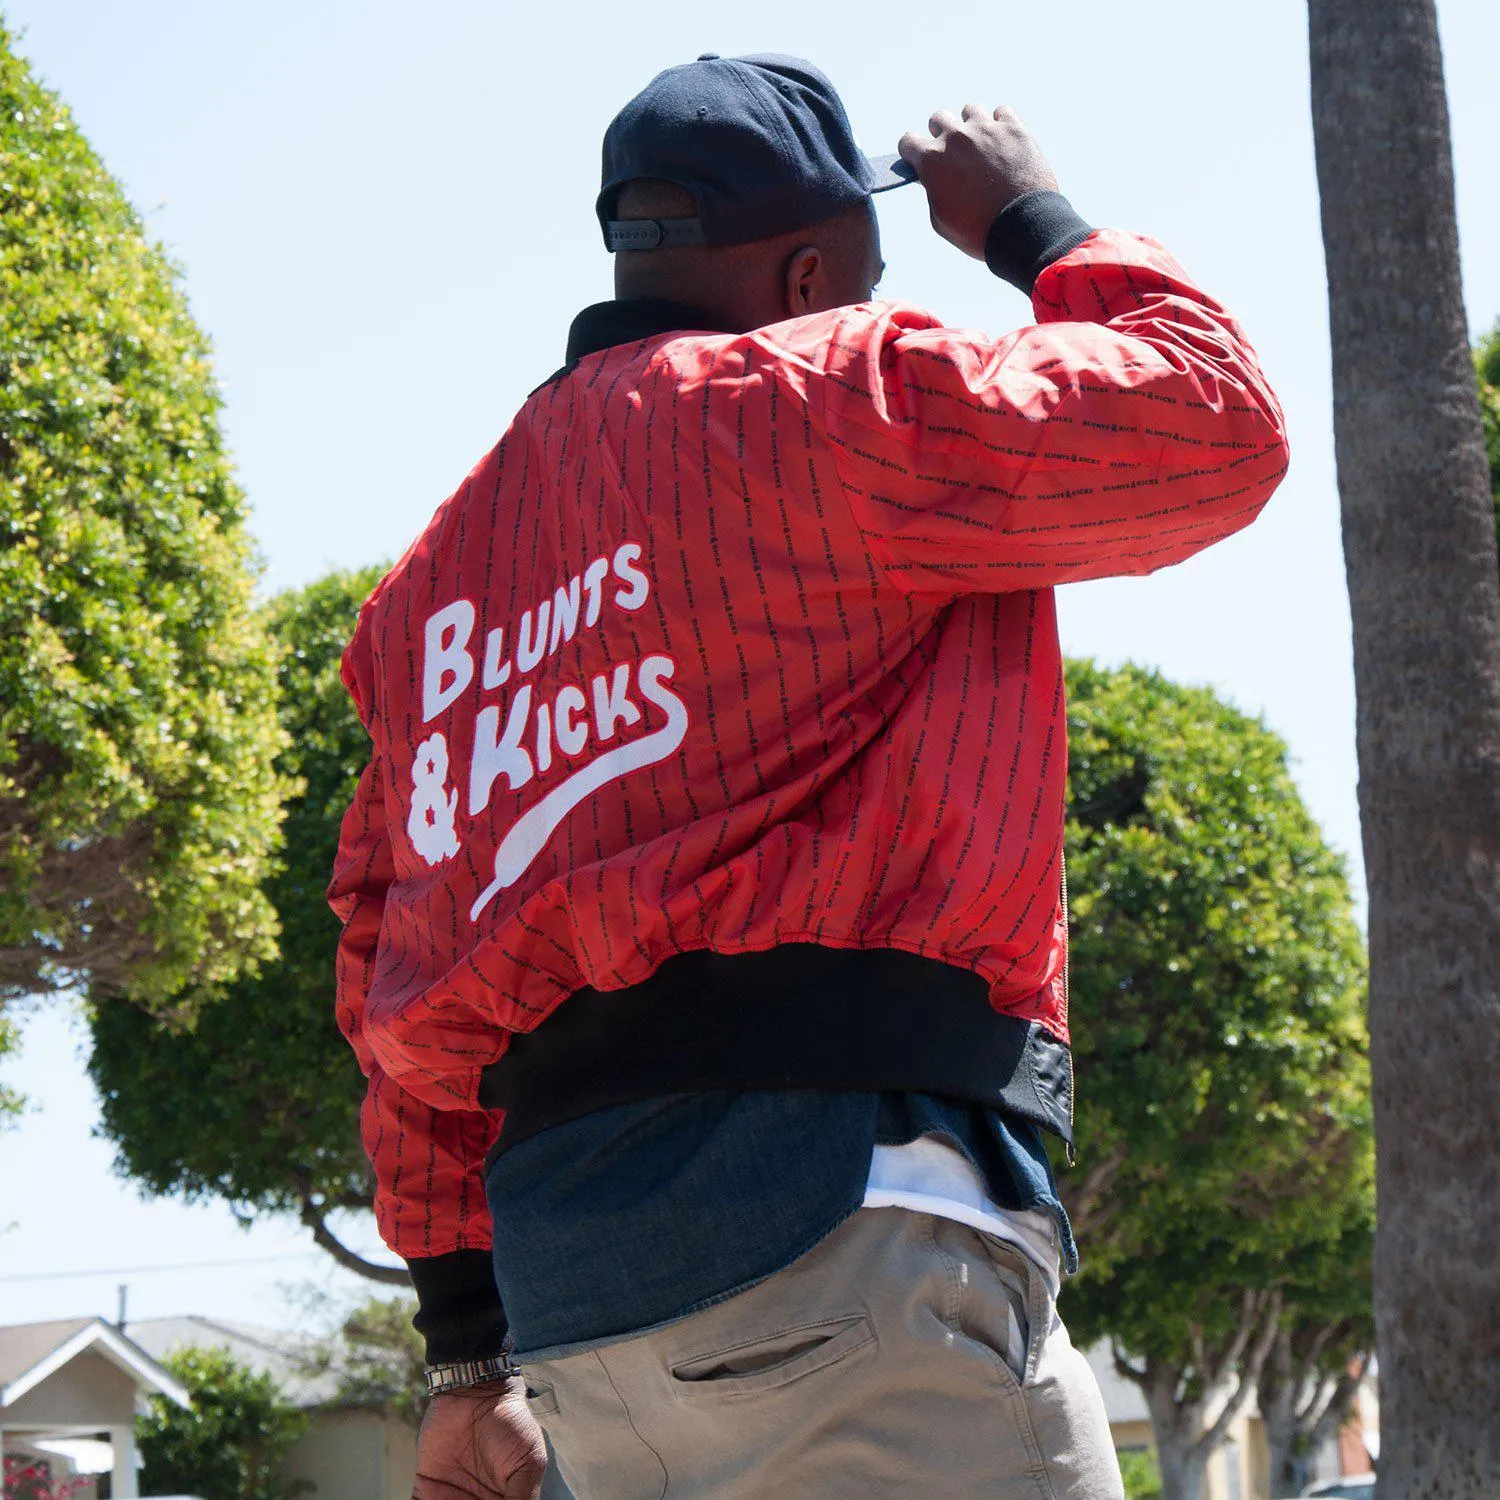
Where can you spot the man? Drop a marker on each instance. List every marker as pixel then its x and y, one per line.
pixel 705 939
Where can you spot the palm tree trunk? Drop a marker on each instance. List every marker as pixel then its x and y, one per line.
pixel 1419 547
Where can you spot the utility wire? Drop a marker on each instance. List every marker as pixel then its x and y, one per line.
pixel 187 1265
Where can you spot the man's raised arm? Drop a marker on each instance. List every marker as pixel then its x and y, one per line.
pixel 1129 428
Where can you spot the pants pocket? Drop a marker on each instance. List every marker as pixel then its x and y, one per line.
pixel 541 1399
pixel 1014 1278
pixel 772 1360
pixel 999 1298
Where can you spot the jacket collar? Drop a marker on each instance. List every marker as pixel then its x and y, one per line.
pixel 609 323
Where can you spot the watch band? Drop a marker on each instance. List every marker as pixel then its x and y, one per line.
pixel 462 1373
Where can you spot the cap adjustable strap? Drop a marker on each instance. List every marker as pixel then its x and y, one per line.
pixel 652 234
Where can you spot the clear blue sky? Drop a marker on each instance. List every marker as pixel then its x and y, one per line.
pixel 384 213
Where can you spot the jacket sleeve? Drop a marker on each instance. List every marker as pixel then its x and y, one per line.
pixel 428 1163
pixel 1129 428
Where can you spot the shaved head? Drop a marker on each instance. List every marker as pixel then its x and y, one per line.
pixel 830 264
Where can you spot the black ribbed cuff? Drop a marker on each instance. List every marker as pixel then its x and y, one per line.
pixel 458 1306
pixel 1029 233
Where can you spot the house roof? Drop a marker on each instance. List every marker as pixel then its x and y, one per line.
pixel 24 1344
pixel 288 1358
pixel 30 1352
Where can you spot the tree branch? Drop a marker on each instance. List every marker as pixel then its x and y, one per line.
pixel 350 1200
pixel 312 1216
pixel 1318 1402
pixel 1087 1204
pixel 1309 1377
pixel 1251 1365
pixel 1165 1390
pixel 1251 1311
pixel 1123 1368
pixel 1199 1351
pixel 1341 1395
pixel 1276 1374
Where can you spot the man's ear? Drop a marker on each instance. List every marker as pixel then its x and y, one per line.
pixel 805 275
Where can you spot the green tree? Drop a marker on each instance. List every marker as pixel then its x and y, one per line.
pixel 1217 974
pixel 138 805
pixel 1321 1350
pixel 1487 368
pixel 10 1101
pixel 1205 1322
pixel 231 1444
pixel 1216 967
pixel 377 1359
pixel 256 1099
pixel 1138 1468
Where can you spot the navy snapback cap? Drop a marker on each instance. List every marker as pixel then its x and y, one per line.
pixel 761 142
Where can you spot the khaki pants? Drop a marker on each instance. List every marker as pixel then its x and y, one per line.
pixel 906 1355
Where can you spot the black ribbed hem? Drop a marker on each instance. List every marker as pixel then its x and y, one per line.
pixel 458 1306
pixel 1030 233
pixel 798 1016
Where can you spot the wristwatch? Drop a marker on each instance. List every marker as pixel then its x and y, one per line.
pixel 463 1373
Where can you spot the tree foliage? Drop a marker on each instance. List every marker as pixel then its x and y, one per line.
pixel 1217 977
pixel 231 1444
pixel 377 1359
pixel 1487 367
pixel 1140 1473
pixel 10 1043
pixel 137 726
pixel 1322 1347
pixel 1217 972
pixel 256 1100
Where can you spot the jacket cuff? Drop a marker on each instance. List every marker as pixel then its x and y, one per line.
pixel 458 1306
pixel 1029 233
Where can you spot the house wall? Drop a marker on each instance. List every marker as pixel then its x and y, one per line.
pixel 341 1456
pixel 1132 1434
pixel 1239 1470
pixel 1227 1476
pixel 354 1455
pixel 1258 1459
pixel 400 1458
pixel 89 1388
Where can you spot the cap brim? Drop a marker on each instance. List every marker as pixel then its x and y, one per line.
pixel 887 172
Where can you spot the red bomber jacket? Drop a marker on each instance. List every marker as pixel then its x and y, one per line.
pixel 717 718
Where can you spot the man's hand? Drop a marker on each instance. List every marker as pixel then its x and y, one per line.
pixel 972 168
pixel 480 1444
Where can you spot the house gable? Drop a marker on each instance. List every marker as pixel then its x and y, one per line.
pixel 33 1357
pixel 88 1387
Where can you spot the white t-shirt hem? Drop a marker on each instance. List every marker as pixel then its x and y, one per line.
pixel 929 1176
